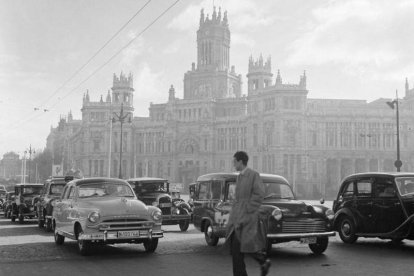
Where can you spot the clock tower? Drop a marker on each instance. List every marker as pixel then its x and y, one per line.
pixel 212 77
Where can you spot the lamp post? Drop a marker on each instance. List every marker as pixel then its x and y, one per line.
pixel 30 151
pixel 121 118
pixel 394 104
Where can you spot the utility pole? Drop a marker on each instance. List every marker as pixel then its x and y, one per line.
pixel 394 104
pixel 30 151
pixel 121 118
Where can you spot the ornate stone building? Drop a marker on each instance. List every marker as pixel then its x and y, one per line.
pixel 314 143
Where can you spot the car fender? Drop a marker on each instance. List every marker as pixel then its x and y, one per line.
pixel 203 223
pixel 184 205
pixel 347 212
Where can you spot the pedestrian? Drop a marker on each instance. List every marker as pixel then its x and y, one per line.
pixel 245 230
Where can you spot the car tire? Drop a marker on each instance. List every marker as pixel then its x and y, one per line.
pixel 347 230
pixel 21 218
pixel 84 247
pixel 184 224
pixel 320 246
pixel 151 245
pixel 209 236
pixel 59 239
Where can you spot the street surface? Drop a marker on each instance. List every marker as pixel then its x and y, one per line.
pixel 27 250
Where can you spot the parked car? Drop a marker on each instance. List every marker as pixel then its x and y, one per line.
pixel 286 218
pixel 377 205
pixel 104 211
pixel 156 192
pixel 25 199
pixel 51 191
pixel 2 198
pixel 7 206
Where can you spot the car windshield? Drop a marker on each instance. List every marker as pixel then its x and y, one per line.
pixel 278 190
pixel 56 189
pixel 104 189
pixel 405 185
pixel 152 187
pixel 31 190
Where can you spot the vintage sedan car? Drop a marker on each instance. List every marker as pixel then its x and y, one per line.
pixel 286 218
pixel 7 206
pixel 156 192
pixel 25 200
pixel 377 205
pixel 104 211
pixel 51 191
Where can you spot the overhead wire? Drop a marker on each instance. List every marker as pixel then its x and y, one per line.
pixel 118 52
pixel 38 114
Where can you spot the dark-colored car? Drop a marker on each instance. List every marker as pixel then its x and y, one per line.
pixel 375 205
pixel 2 198
pixel 286 218
pixel 7 205
pixel 156 192
pixel 25 200
pixel 51 191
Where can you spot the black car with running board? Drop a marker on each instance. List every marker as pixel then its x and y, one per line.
pixel 287 219
pixel 375 205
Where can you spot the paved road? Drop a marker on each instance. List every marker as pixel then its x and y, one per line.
pixel 27 250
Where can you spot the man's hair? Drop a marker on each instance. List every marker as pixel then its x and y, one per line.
pixel 241 155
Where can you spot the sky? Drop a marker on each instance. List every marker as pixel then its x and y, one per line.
pixel 350 49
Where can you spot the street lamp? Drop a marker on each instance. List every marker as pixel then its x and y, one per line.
pixel 121 118
pixel 394 104
pixel 30 151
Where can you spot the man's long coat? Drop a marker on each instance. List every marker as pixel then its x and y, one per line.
pixel 244 216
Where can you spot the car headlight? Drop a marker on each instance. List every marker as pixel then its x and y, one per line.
pixel 329 214
pixel 155 203
pixel 277 214
pixel 94 217
pixel 156 215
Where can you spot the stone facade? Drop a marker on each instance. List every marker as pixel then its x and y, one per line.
pixel 314 143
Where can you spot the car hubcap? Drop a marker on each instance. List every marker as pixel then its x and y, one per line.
pixel 346 228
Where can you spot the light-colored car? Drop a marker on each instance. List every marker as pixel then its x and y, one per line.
pixel 104 211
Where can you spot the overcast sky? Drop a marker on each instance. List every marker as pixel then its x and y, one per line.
pixel 352 49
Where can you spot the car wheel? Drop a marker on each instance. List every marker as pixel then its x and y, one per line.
pixel 347 230
pixel 184 224
pixel 320 246
pixel 211 239
pixel 21 218
pixel 151 245
pixel 84 247
pixel 48 227
pixel 59 239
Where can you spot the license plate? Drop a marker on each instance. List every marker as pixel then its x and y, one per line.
pixel 165 205
pixel 309 240
pixel 128 234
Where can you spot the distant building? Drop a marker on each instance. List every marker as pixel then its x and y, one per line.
pixel 314 143
pixel 10 166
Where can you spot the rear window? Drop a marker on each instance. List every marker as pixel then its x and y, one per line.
pixel 364 188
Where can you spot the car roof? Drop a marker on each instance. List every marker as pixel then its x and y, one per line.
pixel 221 176
pixel 147 179
pixel 28 184
pixel 374 174
pixel 91 180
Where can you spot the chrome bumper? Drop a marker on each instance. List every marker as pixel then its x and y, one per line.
pixel 300 235
pixel 113 235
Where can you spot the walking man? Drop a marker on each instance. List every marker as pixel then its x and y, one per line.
pixel 245 232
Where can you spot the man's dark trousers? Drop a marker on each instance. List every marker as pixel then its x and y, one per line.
pixel 239 267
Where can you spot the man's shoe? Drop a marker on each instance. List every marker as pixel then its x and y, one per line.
pixel 265 267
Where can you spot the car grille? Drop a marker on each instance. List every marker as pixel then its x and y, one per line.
pixel 304 226
pixel 124 224
pixel 165 201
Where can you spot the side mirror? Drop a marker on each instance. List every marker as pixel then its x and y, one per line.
pixel 322 200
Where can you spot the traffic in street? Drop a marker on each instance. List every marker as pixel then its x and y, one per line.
pixel 27 250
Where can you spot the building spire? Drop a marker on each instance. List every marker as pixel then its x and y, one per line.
pixel 406 86
pixel 278 78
